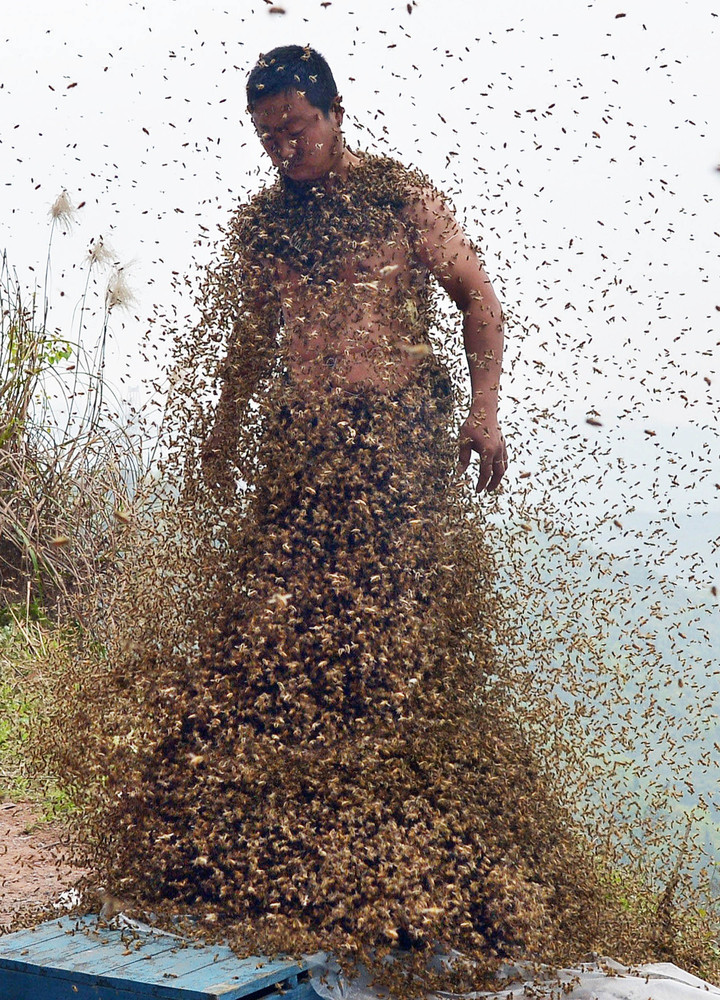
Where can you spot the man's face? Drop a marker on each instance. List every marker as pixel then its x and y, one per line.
pixel 302 143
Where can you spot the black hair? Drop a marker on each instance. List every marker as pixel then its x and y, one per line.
pixel 293 67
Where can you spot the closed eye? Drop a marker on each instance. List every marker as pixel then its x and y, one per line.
pixel 267 137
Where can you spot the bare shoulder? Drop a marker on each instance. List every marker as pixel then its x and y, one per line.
pixel 435 222
pixel 441 244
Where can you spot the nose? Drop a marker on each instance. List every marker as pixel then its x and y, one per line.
pixel 286 148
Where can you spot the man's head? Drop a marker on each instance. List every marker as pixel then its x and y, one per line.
pixel 289 68
pixel 296 110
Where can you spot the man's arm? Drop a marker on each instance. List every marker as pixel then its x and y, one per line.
pixel 445 250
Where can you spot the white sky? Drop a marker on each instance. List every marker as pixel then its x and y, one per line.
pixel 580 148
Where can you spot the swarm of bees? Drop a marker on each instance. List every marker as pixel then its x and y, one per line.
pixel 307 731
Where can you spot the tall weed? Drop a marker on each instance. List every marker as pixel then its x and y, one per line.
pixel 68 466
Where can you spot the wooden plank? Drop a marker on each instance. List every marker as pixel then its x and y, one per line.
pixel 79 956
pixel 136 951
pixel 59 949
pixel 32 986
pixel 244 978
pixel 54 985
pixel 193 961
pixel 83 960
pixel 115 957
pixel 180 961
pixel 66 982
pixel 32 936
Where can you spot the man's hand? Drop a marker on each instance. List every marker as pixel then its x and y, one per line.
pixel 485 438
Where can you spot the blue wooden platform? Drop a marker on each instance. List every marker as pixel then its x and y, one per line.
pixel 79 958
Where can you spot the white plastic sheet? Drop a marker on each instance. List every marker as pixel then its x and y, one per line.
pixel 602 979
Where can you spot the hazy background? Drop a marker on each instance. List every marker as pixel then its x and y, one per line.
pixel 578 141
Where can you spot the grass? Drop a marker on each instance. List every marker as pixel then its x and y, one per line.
pixel 67 461
pixel 68 468
pixel 25 643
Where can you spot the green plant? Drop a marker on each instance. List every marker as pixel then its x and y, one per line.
pixel 67 465
pixel 30 649
pixel 16 712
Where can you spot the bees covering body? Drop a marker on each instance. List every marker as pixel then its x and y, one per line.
pixel 338 766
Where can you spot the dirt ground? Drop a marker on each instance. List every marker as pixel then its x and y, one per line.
pixel 34 867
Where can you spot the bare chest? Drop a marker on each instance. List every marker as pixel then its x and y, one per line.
pixel 368 286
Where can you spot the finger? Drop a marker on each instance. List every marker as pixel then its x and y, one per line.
pixel 499 468
pixel 464 456
pixel 498 471
pixel 485 472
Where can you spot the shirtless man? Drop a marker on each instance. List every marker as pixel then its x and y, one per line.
pixel 343 335
pixel 334 704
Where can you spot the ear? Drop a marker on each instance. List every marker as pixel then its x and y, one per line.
pixel 337 110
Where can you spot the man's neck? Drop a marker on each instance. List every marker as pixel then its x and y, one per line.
pixel 347 162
